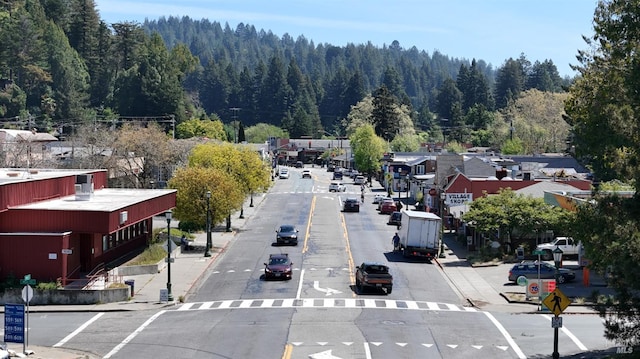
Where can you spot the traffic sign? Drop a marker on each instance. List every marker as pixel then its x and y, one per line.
pixel 556 322
pixel 538 252
pixel 557 302
pixel 27 280
pixel 27 293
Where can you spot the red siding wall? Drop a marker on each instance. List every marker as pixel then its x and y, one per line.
pixel 22 255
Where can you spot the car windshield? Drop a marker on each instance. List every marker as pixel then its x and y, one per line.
pixel 277 261
pixel 286 229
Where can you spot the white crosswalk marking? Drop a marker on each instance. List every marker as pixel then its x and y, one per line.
pixel 325 303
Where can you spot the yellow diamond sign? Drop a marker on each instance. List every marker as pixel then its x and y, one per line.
pixel 556 301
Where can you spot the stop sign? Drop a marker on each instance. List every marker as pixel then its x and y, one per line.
pixel 27 293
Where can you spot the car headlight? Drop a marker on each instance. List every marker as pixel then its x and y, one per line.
pixel 294 236
pixel 268 270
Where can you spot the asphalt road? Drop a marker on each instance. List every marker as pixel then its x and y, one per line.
pixel 234 313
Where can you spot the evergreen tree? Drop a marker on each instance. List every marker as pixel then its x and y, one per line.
pixel 384 116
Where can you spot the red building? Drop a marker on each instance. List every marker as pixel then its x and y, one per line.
pixel 61 224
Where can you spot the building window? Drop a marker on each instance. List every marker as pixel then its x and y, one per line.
pixel 105 242
pixel 420 169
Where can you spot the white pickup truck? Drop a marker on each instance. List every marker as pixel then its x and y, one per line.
pixel 568 246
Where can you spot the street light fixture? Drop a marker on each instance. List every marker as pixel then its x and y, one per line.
pixel 167 215
pixel 207 251
pixel 557 259
pixel 442 197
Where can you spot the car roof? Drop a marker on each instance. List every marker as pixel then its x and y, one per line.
pixel 279 255
pixel 352 199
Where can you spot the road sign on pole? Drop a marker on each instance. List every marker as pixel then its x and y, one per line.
pixel 557 302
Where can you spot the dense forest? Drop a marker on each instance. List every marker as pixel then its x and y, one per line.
pixel 61 66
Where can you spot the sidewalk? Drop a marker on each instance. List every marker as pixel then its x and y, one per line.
pixel 186 270
pixel 487 287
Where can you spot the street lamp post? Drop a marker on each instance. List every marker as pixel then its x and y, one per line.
pixel 167 215
pixel 557 259
pixel 207 251
pixel 442 197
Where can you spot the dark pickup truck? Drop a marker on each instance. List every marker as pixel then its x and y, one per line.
pixel 373 275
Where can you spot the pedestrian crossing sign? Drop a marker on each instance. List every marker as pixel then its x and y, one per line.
pixel 556 301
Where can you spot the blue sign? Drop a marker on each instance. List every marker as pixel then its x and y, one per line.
pixel 14 323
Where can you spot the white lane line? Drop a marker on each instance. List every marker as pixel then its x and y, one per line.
pixel 133 335
pixel 300 284
pixel 367 351
pixel 569 334
pixel 506 335
pixel 77 331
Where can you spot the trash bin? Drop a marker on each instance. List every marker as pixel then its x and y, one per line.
pixel 520 253
pixel 130 283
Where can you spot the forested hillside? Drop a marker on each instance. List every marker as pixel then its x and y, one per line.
pixel 62 66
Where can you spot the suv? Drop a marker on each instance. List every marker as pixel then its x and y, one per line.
pixel 358 180
pixel 337 187
pixel 337 175
pixel 287 234
pixel 278 267
pixel 351 205
pixel 306 174
pixel 283 173
pixel 299 164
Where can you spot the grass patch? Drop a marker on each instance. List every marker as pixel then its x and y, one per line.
pixel 152 255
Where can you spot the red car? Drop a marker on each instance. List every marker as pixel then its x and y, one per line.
pixel 388 207
pixel 279 267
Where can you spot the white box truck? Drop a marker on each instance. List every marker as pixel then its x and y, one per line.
pixel 419 234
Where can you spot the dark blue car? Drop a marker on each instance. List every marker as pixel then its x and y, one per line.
pixel 547 271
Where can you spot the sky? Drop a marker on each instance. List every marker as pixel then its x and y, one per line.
pixel 489 30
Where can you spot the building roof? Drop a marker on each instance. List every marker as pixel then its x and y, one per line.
pixel 13 175
pixel 103 200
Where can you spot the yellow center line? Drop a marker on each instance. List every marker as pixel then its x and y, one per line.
pixel 288 350
pixel 306 234
pixel 345 235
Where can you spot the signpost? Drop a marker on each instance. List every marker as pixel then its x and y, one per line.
pixel 557 302
pixel 27 294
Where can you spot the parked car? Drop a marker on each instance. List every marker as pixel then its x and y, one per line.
pixel 354 174
pixel 359 180
pixel 388 207
pixel 337 187
pixel 395 218
pixel 306 174
pixel 287 234
pixel 547 271
pixel 378 198
pixel 278 267
pixel 351 205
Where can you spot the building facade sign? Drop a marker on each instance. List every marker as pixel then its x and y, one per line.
pixel 456 199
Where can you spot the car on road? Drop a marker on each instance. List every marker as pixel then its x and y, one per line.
pixel 395 218
pixel 337 175
pixel 388 207
pixel 378 198
pixel 283 173
pixel 337 187
pixel 547 271
pixel 299 164
pixel 351 205
pixel 306 174
pixel 278 267
pixel 287 234
pixel 359 180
